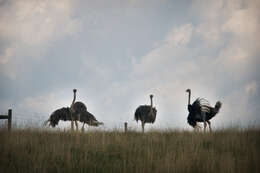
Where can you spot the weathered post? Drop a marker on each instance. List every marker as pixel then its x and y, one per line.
pixel 9 119
pixel 125 126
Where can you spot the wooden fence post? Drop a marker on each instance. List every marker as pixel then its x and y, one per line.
pixel 125 126
pixel 9 119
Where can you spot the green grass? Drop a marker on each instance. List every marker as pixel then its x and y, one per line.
pixel 38 151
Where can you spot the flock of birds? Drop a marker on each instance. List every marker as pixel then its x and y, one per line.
pixel 199 111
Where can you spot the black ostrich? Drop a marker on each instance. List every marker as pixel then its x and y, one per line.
pixel 201 111
pixel 65 115
pixel 146 113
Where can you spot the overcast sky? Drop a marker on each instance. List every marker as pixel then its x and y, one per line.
pixel 117 53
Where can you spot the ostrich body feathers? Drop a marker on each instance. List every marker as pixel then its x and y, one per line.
pixel 79 107
pixel 144 114
pixel 195 111
pixel 65 115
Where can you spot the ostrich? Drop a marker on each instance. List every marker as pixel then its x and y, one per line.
pixel 146 113
pixel 76 108
pixel 65 115
pixel 201 111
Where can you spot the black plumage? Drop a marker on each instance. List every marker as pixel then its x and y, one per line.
pixel 201 111
pixel 57 115
pixel 146 113
pixel 65 115
pixel 143 113
pixel 78 107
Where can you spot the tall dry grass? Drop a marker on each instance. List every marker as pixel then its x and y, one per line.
pixel 34 150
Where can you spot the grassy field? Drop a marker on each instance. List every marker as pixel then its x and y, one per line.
pixel 38 151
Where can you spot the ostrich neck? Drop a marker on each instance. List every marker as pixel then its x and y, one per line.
pixel 74 98
pixel 151 108
pixel 189 98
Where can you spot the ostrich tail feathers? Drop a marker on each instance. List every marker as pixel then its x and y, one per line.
pixel 218 105
pixel 100 123
pixel 95 123
pixel 46 122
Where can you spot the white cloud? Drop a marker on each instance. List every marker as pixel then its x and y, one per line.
pixel 8 52
pixel 35 22
pixel 163 55
pixel 237 109
pixel 238 17
pixel 251 88
pixel 235 59
pixel 180 36
pixel 208 10
pixel 27 27
pixel 46 103
pixel 242 22
pixel 233 29
pixel 210 32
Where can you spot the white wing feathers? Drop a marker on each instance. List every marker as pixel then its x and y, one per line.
pixel 204 105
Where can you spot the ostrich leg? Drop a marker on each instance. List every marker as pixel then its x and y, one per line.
pixel 82 128
pixel 197 127
pixel 72 125
pixel 72 122
pixel 76 123
pixel 209 126
pixel 72 111
pixel 203 114
pixel 143 126
pixel 205 126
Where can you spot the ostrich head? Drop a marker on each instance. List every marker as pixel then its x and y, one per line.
pixel 151 97
pixel 189 91
pixel 74 90
pixel 218 105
